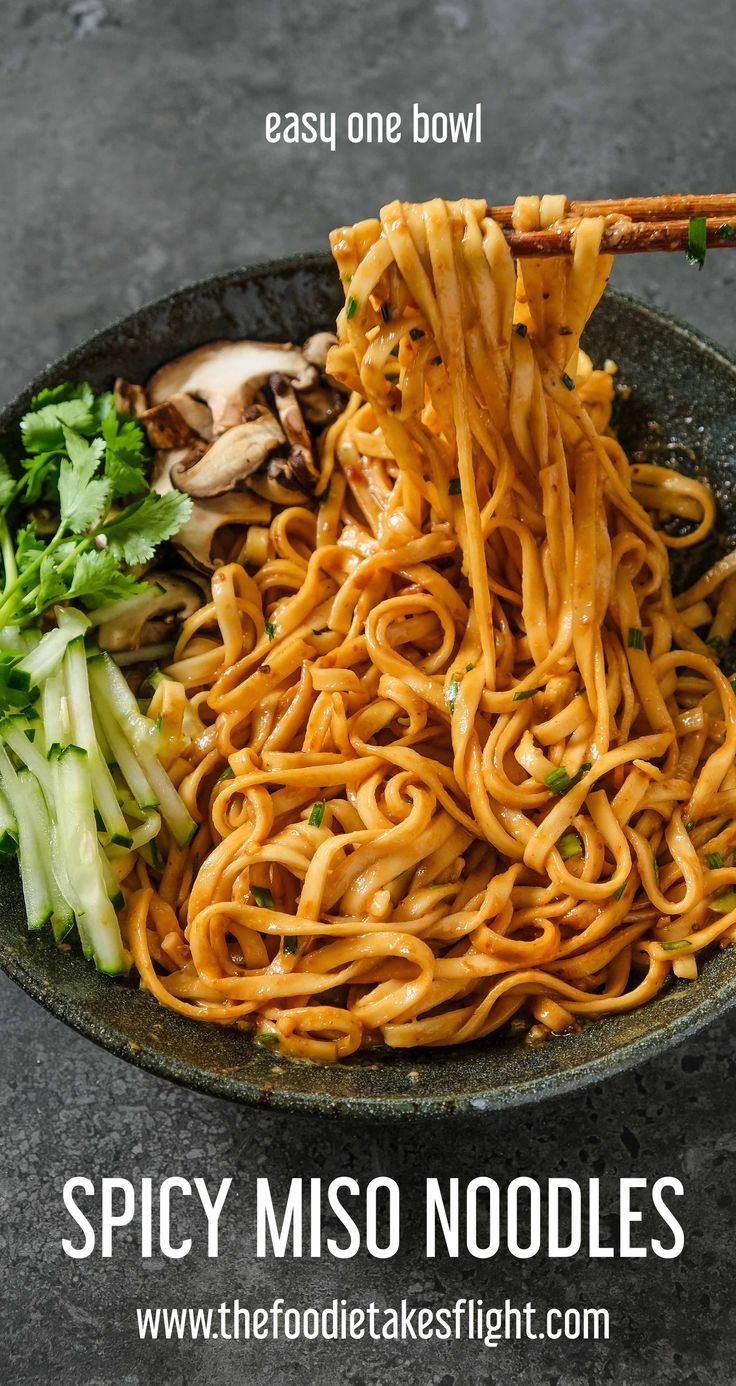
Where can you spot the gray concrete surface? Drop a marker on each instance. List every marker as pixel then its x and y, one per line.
pixel 132 158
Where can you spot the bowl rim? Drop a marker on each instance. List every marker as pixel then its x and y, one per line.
pixel 657 1040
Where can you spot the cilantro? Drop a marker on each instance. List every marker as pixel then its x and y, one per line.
pixel 83 462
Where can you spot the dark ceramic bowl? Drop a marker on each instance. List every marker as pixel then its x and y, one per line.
pixel 683 396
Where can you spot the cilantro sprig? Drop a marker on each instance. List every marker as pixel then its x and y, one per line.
pixel 85 465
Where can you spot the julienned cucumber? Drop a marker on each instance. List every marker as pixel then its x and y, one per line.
pixel 70 760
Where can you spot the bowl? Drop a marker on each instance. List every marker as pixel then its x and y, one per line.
pixel 683 399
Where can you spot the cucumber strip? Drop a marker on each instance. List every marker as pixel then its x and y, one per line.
pixel 28 752
pixel 173 809
pixel 110 690
pixel 49 652
pixel 112 884
pixel 127 607
pixel 149 828
pixel 8 827
pixel 55 711
pixel 36 892
pixel 104 791
pixel 102 741
pixel 96 916
pixel 132 772
pixel 62 915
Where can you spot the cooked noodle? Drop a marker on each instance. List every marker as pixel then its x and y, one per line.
pixel 463 759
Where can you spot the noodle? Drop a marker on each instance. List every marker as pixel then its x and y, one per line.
pixel 458 756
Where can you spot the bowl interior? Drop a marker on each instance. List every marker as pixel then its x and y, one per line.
pixel 682 400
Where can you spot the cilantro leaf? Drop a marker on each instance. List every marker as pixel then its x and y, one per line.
pixel 83 498
pixel 97 575
pixel 126 454
pixel 60 394
pixel 7 485
pixel 134 535
pixel 43 431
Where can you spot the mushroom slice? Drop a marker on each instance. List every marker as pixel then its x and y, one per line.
pixel 316 348
pixel 226 375
pixel 129 399
pixel 145 619
pixel 277 484
pixel 301 461
pixel 233 456
pixel 166 427
pixel 196 538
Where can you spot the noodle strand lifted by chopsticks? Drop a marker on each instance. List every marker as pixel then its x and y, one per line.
pixel 459 757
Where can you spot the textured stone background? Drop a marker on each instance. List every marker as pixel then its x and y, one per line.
pixel 132 158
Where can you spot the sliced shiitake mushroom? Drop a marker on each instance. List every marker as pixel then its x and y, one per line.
pixel 226 375
pixel 196 539
pixel 235 455
pixel 129 399
pixel 148 618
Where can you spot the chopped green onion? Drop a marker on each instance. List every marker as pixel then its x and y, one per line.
pixel 636 638
pixel 558 780
pixel 689 825
pixel 525 693
pixel 520 328
pixel 715 861
pixel 696 241
pixel 618 893
pixel 291 944
pixel 726 231
pixel 568 381
pixel 267 1040
pixel 468 667
pixel 722 904
pixel 455 486
pixel 570 846
pixel 725 824
pixel 451 694
pixel 716 643
pixel 227 774
pixel 386 312
pixel 676 943
pixel 262 897
pixel 270 629
pixel 351 307
pixel 317 814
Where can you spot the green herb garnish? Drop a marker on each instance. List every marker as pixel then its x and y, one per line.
pixel 568 381
pixel 722 904
pixel 525 693
pixel 726 231
pixel 351 307
pixel 317 814
pixel 715 861
pixel 455 486
pixel 291 944
pixel 696 241
pixel 227 774
pixel 636 638
pixel 570 846
pixel 451 694
pixel 676 943
pixel 270 629
pixel 520 328
pixel 560 782
pixel 618 893
pixel 268 1039
pixel 262 897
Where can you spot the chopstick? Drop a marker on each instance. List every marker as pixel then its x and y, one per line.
pixel 656 223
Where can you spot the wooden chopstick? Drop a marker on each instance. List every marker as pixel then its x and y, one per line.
pixel 656 223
